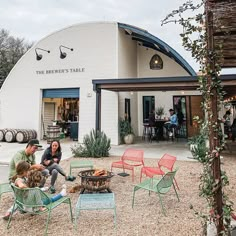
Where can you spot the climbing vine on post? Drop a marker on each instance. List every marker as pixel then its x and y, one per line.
pixel 197 37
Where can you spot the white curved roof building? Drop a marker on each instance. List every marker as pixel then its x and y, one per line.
pixel 57 85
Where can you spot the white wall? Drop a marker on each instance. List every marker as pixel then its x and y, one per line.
pixel 127 56
pixel 101 51
pixel 134 63
pixel 170 67
pixel 127 61
pixel 109 115
pixel 94 47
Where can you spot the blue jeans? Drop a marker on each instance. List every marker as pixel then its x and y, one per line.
pixel 53 199
pixel 169 126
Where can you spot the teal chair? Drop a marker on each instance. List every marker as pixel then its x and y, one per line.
pixel 80 164
pixel 4 188
pixel 159 186
pixel 95 201
pixel 29 200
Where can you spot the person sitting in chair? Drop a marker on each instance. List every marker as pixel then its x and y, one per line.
pixel 50 160
pixel 172 123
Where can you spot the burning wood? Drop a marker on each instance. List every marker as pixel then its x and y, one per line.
pixel 100 172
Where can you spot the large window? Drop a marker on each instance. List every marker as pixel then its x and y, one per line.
pixel 148 107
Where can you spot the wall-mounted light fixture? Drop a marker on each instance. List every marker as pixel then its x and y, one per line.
pixel 40 56
pixel 63 54
pixel 156 63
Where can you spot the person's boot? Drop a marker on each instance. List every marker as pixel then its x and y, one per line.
pixel 52 190
pixel 70 178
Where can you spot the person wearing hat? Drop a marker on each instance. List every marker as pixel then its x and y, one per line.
pixel 27 155
pixel 172 123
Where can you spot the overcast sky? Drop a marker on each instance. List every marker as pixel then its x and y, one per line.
pixel 35 19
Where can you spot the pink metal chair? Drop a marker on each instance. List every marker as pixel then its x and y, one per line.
pixel 164 165
pixel 130 159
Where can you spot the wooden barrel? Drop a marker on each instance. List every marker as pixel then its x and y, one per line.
pixel 10 135
pixel 34 133
pixel 53 133
pixel 2 134
pixel 24 135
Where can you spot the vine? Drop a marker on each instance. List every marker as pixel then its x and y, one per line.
pixel 209 143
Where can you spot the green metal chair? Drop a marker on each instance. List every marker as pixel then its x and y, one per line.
pixel 29 200
pixel 80 164
pixel 159 186
pixel 4 188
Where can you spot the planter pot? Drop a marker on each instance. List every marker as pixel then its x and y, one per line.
pixel 129 139
pixel 192 147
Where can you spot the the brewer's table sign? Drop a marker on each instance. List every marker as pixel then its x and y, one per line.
pixel 60 71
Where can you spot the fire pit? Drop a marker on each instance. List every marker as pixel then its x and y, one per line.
pixel 93 183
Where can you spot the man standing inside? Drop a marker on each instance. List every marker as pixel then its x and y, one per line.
pixel 28 156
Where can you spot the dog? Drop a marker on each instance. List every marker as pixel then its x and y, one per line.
pixel 75 188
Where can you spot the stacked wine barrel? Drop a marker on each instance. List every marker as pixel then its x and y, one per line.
pixel 53 133
pixel 17 135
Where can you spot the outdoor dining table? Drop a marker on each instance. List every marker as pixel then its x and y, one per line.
pixel 159 124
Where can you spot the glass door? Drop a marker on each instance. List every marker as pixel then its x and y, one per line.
pixel 180 111
pixel 148 107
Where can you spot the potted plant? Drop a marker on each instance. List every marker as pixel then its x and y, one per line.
pixel 160 111
pixel 126 131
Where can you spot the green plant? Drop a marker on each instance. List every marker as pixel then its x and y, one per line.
pixel 198 147
pixel 96 144
pixel 198 38
pixel 160 111
pixel 125 128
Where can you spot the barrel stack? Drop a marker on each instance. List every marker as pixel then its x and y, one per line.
pixel 17 135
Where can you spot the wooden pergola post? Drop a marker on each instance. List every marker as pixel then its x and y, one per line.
pixel 213 119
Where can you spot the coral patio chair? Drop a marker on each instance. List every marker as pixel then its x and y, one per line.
pixel 26 201
pixel 159 186
pixel 166 163
pixel 130 159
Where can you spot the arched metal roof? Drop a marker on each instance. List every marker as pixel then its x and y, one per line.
pixel 149 40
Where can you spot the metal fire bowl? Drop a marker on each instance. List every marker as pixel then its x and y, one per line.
pixel 95 183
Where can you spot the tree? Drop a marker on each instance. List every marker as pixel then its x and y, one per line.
pixel 197 37
pixel 11 50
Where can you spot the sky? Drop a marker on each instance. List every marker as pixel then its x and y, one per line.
pixel 35 19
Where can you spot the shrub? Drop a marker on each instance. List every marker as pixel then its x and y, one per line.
pixel 125 128
pixel 96 144
pixel 198 147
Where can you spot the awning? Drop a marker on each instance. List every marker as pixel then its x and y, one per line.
pixel 161 84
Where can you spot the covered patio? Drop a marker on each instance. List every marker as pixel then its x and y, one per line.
pixel 182 83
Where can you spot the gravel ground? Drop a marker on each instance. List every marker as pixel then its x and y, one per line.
pixel 145 218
